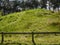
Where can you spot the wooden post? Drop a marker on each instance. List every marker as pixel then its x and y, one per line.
pixel 33 38
pixel 2 35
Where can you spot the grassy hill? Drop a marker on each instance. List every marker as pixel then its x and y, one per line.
pixel 36 20
pixel 32 20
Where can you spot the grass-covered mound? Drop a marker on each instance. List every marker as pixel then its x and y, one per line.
pixel 31 20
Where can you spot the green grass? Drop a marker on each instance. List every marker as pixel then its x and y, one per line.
pixel 36 20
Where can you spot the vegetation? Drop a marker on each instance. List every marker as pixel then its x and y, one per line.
pixel 31 20
pixel 36 20
pixel 10 6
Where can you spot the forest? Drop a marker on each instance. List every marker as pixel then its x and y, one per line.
pixel 10 6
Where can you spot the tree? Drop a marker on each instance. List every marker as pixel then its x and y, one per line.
pixel 43 3
pixel 56 4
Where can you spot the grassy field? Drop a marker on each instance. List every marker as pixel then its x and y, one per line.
pixel 26 39
pixel 36 20
pixel 32 20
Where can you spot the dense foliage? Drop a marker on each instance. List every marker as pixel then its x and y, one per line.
pixel 8 6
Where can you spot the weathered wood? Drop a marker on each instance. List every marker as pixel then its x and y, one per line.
pixel 33 38
pixel 2 40
pixel 30 32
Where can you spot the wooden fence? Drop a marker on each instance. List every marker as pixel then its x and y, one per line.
pixel 32 33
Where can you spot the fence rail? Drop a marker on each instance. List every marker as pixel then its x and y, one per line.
pixel 32 33
pixel 29 32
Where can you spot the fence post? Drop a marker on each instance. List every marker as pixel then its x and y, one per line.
pixel 2 35
pixel 33 38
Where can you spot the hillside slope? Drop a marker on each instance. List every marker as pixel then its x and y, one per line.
pixel 32 20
